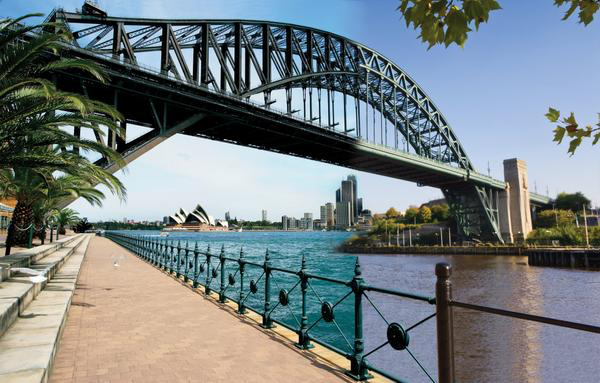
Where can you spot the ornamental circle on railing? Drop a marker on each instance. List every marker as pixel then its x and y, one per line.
pixel 284 298
pixel 214 273
pixel 231 280
pixel 397 336
pixel 253 287
pixel 327 312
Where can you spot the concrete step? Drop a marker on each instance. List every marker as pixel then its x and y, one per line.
pixel 17 292
pixel 27 349
pixel 31 256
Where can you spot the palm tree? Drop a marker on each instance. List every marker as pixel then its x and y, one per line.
pixel 32 110
pixel 38 192
pixel 65 217
pixel 36 166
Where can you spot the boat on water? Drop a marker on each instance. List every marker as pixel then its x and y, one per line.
pixel 164 234
pixel 240 229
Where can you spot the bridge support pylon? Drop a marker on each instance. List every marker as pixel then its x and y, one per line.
pixel 518 199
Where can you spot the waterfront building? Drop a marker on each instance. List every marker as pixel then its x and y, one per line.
pixel 330 218
pixel 348 196
pixel 284 222
pixel 292 223
pixel 343 215
pixel 165 220
pixel 355 212
pixel 197 220
pixel 264 216
pixel 227 216
pixel 306 222
pixel 323 213
pixel 359 206
pixel 338 196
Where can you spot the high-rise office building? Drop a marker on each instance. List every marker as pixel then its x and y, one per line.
pixel 323 215
pixel 355 212
pixel 284 222
pixel 227 216
pixel 348 196
pixel 338 196
pixel 330 217
pixel 343 214
pixel 359 207
pixel 264 216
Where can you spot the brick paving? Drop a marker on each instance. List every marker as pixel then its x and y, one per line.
pixel 133 323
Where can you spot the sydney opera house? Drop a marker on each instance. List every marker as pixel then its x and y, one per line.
pixel 197 220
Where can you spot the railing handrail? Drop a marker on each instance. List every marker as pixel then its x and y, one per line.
pixel 529 317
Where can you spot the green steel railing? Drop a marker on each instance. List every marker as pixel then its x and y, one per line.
pixel 219 273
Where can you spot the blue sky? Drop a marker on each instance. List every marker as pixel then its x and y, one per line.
pixel 494 93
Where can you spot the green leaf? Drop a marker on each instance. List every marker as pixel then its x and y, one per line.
pixel 553 115
pixel 596 138
pixel 559 134
pixel 573 145
pixel 458 28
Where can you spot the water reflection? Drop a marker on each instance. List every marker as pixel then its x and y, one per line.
pixel 491 348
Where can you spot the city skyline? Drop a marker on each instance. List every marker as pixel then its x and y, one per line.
pixel 489 133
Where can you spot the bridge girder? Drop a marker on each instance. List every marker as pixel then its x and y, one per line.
pixel 218 68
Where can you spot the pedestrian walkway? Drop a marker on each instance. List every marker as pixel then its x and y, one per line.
pixel 130 322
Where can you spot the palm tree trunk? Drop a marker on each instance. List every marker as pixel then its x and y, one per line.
pixel 21 219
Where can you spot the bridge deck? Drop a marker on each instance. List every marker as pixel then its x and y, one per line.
pixel 132 323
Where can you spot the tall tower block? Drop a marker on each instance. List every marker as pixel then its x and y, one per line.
pixel 515 174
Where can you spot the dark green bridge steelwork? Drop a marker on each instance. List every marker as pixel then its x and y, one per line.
pixel 228 277
pixel 285 88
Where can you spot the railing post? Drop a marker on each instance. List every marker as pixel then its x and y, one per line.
pixel 445 338
pixel 242 263
pixel 303 338
pixel 154 251
pixel 186 268
pixel 170 256
pixel 30 237
pixel 358 365
pixel 178 260
pixel 161 253
pixel 208 276
pixel 196 272
pixel 222 298
pixel 267 322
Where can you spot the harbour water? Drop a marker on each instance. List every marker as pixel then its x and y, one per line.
pixel 488 348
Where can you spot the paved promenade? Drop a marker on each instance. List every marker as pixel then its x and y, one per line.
pixel 133 323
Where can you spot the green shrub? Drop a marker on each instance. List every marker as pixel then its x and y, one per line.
pixel 554 218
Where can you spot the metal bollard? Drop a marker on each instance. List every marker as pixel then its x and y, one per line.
pixel 242 263
pixel 30 237
pixel 303 338
pixel 445 337
pixel 358 365
pixel 222 298
pixel 267 321
pixel 51 233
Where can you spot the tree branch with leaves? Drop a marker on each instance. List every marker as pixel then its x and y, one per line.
pixel 449 22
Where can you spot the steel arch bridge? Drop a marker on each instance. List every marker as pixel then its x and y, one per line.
pixel 280 87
